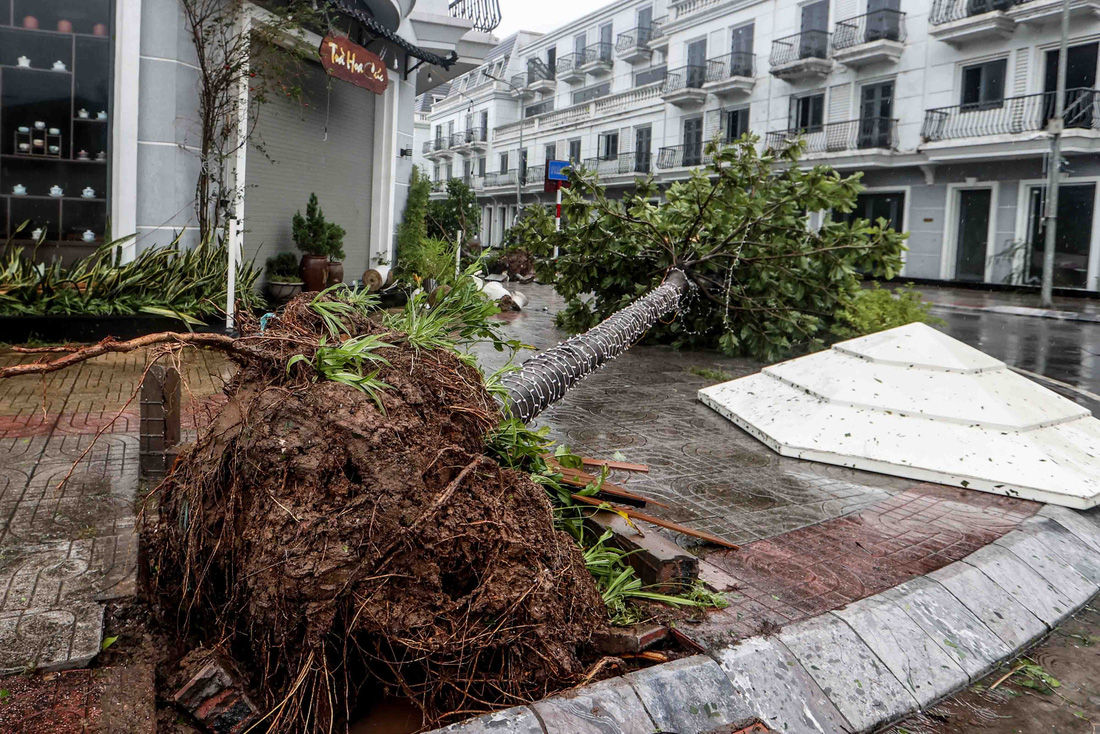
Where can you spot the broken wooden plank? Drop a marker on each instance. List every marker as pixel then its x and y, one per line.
pixel 660 564
pixel 634 515
pixel 616 465
pixel 616 491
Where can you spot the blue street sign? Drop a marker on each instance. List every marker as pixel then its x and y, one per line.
pixel 557 170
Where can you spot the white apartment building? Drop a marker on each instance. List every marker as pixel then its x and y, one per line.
pixel 941 105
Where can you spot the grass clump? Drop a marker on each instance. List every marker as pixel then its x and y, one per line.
pixel 878 309
pixel 709 373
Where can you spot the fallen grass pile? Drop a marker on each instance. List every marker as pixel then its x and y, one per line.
pixel 185 283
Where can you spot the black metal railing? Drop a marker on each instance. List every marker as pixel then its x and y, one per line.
pixel 567 63
pixel 945 11
pixel 484 13
pixel 597 52
pixel 441 143
pixel 650 75
pixel 693 76
pixel 538 70
pixel 1029 113
pixel 475 135
pixel 804 45
pixel 622 164
pixel 657 29
pixel 861 134
pixel 680 156
pixel 519 82
pixel 635 38
pixel 457 139
pixel 539 109
pixel 501 178
pixel 738 63
pixel 879 25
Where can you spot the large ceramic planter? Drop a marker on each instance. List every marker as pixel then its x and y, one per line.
pixel 283 292
pixel 335 273
pixel 314 272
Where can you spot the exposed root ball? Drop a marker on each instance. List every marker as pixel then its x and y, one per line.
pixel 332 548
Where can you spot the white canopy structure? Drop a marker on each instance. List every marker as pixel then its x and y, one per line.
pixel 913 402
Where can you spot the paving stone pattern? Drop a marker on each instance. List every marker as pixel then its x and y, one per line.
pixel 67 525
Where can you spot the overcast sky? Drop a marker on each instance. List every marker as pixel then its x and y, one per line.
pixel 541 15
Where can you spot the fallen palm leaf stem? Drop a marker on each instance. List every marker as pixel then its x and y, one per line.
pixel 1007 675
pixel 614 490
pixel 659 522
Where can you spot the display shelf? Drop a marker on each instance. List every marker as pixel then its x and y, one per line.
pixel 19 156
pixel 91 119
pixel 17 67
pixel 47 197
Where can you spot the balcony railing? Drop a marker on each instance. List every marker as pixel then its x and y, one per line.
pixel 457 139
pixel 501 178
pixel 879 25
pixel 861 134
pixel 539 109
pixel 680 156
pixel 1028 113
pixel 484 13
pixel 537 70
pixel 738 63
pixel 474 135
pixel 945 11
pixel 635 38
pixel 622 164
pixel 805 45
pixel 595 52
pixel 657 29
pixel 693 76
pixel 440 143
pixel 519 81
pixel 568 62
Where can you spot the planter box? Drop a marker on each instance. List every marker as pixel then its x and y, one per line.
pixel 21 329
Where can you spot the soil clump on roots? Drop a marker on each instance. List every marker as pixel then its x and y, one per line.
pixel 337 548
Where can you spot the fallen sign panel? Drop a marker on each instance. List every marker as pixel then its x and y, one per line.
pixel 913 402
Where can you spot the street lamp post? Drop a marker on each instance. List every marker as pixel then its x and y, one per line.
pixel 1054 165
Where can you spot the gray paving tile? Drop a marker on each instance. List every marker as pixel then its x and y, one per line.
pixel 608 707
pixel 690 694
pixel 1009 619
pixel 517 720
pixel 1024 585
pixel 915 659
pixel 1080 524
pixel 849 673
pixel 1048 564
pixel 778 688
pixel 1082 557
pixel 952 626
pixel 49 639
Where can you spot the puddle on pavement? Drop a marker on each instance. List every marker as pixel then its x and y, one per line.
pixel 1029 702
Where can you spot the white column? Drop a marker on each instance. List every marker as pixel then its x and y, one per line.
pixel 384 175
pixel 240 162
pixel 124 126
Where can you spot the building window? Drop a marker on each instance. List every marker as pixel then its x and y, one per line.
pixel 435 176
pixel 591 93
pixel 609 146
pixel 575 150
pixel 580 43
pixel 504 163
pixel 650 75
pixel 735 123
pixel 551 151
pixel 983 85
pixel 56 118
pixel 481 166
pixel 808 113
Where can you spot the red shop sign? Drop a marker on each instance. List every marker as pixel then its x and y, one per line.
pixel 353 63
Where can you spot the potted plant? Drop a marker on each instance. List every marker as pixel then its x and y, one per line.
pixel 284 280
pixel 318 240
pixel 336 255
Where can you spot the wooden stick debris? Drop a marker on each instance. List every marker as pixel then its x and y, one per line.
pixel 616 465
pixel 633 515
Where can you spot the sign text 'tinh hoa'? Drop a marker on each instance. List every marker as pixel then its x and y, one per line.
pixel 352 63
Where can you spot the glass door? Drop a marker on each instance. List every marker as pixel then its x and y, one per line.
pixel 883 20
pixel 693 141
pixel 643 142
pixel 645 24
pixel 1073 243
pixel 696 63
pixel 1080 84
pixel 741 45
pixel 815 26
pixel 972 237
pixel 876 115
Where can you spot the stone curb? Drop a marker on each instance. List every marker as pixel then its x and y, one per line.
pixel 1040 313
pixel 857 668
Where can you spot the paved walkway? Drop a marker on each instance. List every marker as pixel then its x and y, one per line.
pixel 1010 303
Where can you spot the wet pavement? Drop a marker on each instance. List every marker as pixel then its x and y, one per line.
pixel 1053 687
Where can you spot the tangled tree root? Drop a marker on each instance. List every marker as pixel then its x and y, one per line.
pixel 330 547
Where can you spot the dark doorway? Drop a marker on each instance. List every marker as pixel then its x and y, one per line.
pixel 643 141
pixel 883 20
pixel 872 207
pixel 697 63
pixel 1074 239
pixel 1080 83
pixel 973 234
pixel 876 114
pixel 693 141
pixel 814 42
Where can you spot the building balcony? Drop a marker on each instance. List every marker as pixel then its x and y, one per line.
pixel 1040 12
pixel 519 89
pixel 865 134
pixel 472 140
pixel 731 75
pixel 569 68
pixel 633 46
pixel 541 77
pixel 658 37
pixel 485 14
pixel 438 149
pixel 632 164
pixel 598 59
pixel 684 87
pixel 500 180
pixel 1013 127
pixel 961 21
pixel 534 175
pixel 801 56
pixel 692 155
pixel 873 38
pixel 541 108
